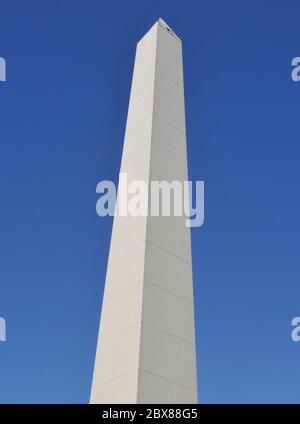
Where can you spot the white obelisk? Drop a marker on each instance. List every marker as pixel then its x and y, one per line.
pixel 146 345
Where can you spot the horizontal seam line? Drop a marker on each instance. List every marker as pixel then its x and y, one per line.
pixel 113 379
pixel 183 161
pixel 168 291
pixel 152 142
pixel 168 333
pixel 125 253
pixel 141 148
pixel 134 128
pixel 168 379
pixel 165 250
pixel 168 123
pixel 101 342
pixel 140 281
pixel 171 75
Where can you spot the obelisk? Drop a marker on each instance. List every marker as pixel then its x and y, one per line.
pixel 146 345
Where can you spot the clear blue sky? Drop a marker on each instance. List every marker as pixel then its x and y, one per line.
pixel 62 119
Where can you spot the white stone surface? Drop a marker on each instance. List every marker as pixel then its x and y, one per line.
pixel 146 346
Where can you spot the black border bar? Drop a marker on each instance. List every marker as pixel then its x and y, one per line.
pixel 142 413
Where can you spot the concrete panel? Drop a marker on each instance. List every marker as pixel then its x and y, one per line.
pixel 137 139
pixel 170 112
pixel 170 235
pixel 167 356
pixel 118 356
pixel 156 389
pixel 168 312
pixel 169 138
pixel 125 272
pixel 122 390
pixel 168 271
pixel 139 110
pixel 169 60
pixel 138 165
pixel 169 86
pixel 128 235
pixel 167 169
pixel 121 312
